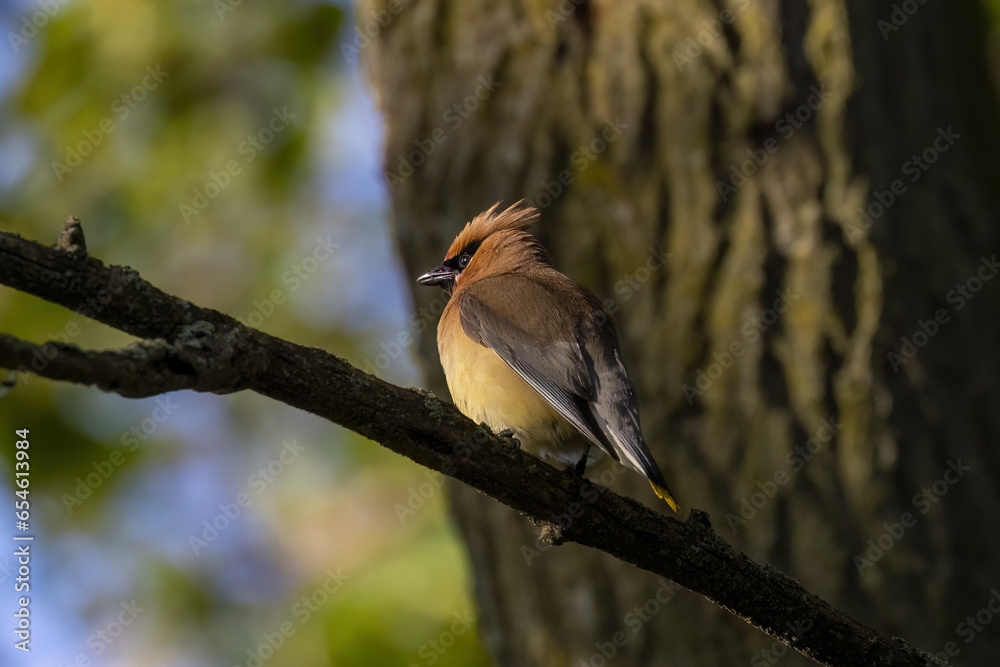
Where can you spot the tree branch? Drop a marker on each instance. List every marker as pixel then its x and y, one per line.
pixel 188 347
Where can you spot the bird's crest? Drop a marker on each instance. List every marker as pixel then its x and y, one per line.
pixel 517 217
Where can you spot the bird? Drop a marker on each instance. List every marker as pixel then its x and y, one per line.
pixel 530 352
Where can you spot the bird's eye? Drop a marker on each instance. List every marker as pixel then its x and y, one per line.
pixel 463 261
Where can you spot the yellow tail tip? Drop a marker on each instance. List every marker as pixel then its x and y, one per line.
pixel 664 493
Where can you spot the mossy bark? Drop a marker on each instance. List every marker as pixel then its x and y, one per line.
pixel 702 166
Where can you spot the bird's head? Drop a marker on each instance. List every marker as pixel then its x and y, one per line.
pixel 492 244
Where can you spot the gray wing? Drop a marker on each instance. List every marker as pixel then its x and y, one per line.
pixel 556 335
pixel 528 325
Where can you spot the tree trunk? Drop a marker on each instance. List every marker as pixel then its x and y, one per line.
pixel 703 168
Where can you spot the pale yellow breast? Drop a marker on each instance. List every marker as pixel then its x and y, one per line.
pixel 487 390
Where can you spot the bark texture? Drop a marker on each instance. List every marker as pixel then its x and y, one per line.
pixel 771 320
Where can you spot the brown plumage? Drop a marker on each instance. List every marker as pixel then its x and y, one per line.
pixel 528 349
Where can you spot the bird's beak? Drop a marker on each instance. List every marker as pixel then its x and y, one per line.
pixel 437 276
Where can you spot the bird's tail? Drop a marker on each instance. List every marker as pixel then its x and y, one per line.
pixel 664 492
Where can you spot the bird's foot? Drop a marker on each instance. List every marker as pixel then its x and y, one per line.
pixel 506 434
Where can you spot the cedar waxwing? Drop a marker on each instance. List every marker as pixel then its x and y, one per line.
pixel 526 348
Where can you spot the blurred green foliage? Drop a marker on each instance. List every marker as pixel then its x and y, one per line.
pixel 191 139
